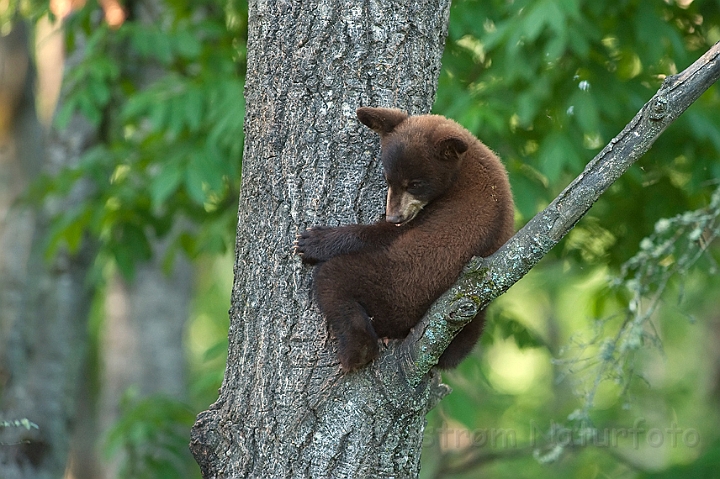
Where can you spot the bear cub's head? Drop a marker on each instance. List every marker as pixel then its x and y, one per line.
pixel 421 157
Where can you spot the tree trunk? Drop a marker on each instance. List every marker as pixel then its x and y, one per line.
pixel 284 409
pixel 43 305
pixel 141 346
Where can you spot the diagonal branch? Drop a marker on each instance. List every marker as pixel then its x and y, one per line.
pixel 484 279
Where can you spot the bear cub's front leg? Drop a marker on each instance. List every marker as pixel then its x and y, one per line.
pixel 316 244
pixel 320 243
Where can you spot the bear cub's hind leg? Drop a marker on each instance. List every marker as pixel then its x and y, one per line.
pixel 357 341
pixel 350 325
pixel 463 343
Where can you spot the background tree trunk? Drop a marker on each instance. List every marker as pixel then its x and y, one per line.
pixel 284 410
pixel 43 305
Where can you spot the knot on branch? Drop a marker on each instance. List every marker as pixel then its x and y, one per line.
pixel 474 265
pixel 669 82
pixel 658 108
pixel 462 311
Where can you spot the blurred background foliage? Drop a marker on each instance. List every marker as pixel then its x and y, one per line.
pixel 603 362
pixel 166 98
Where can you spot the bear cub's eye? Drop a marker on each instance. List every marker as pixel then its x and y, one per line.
pixel 414 185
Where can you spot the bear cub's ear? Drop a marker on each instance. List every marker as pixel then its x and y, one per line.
pixel 381 120
pixel 451 147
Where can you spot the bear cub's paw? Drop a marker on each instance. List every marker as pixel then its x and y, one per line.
pixel 311 244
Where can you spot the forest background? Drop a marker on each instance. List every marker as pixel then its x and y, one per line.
pixel 613 328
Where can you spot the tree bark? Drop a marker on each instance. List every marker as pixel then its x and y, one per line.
pixel 284 410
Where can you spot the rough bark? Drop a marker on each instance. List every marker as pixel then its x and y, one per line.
pixel 43 305
pixel 284 410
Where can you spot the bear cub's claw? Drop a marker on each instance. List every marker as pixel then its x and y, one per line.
pixel 296 249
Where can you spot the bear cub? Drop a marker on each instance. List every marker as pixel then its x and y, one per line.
pixel 448 200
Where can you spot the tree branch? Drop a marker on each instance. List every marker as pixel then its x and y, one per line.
pixel 484 279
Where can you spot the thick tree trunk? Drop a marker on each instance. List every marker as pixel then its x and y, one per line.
pixel 43 305
pixel 284 409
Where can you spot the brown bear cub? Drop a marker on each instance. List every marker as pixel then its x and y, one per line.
pixel 448 200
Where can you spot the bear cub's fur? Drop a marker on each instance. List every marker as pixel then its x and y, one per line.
pixel 448 200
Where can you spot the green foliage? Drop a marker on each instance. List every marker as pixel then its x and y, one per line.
pixel 207 338
pixel 545 83
pixel 704 468
pixel 11 10
pixel 548 83
pixel 505 327
pixel 167 99
pixel 610 356
pixel 24 423
pixel 152 437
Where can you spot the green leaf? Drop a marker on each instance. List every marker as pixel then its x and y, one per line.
pixel 194 176
pixel 528 105
pixel 556 47
pixel 159 114
pixel 131 246
pixel 579 42
pixel 535 19
pixel 585 111
pixel 140 39
pixel 187 44
pixel 176 116
pixel 162 48
pixel 526 200
pixel 138 105
pixel 194 104
pixel 75 231
pixel 165 183
pixel 219 350
pixel 99 92
pixel 554 155
pixel 214 167
pixel 65 113
pixel 125 262
pixel 88 109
